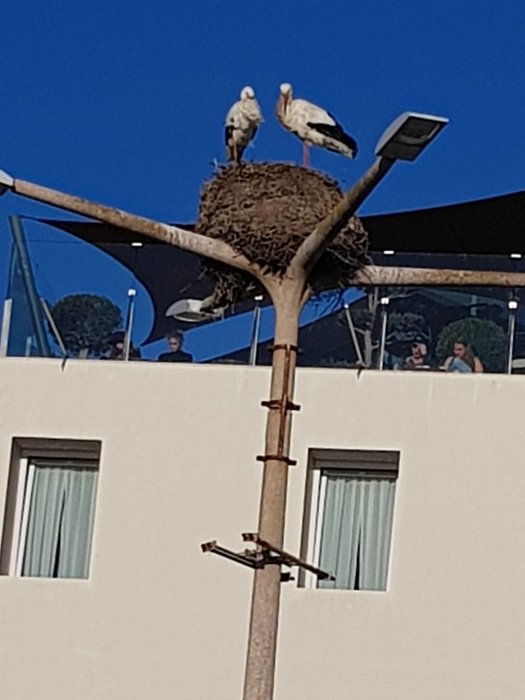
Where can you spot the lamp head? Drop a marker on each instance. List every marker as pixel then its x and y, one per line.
pixel 408 135
pixel 192 311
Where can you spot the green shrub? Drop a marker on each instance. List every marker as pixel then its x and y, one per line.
pixel 85 323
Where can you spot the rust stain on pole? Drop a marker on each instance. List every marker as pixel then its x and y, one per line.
pixel 264 619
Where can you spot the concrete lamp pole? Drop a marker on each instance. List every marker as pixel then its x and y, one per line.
pixel 404 139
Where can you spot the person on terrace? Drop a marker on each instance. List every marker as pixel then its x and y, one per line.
pixel 418 356
pixel 462 359
pixel 176 353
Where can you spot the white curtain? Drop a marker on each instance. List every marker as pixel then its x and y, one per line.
pixel 356 531
pixel 60 522
pixel 45 512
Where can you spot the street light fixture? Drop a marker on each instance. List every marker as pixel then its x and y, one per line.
pixel 512 306
pixel 404 139
pixel 408 135
pixel 192 311
pixel 384 301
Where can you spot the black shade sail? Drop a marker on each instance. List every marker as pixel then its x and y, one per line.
pixel 487 227
pixel 494 226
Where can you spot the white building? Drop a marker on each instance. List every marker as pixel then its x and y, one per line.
pixel 169 462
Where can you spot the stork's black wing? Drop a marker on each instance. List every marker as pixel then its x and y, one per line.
pixel 228 131
pixel 335 131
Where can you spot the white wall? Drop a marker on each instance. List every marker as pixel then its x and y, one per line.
pixel 158 619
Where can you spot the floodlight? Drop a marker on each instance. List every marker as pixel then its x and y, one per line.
pixel 191 311
pixel 512 304
pixel 408 135
pixel 384 301
pixel 6 182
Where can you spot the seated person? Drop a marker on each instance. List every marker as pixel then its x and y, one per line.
pixel 116 350
pixel 176 354
pixel 462 359
pixel 418 356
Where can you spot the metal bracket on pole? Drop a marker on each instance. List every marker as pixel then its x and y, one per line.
pixel 246 558
pixel 264 555
pixel 282 346
pixel 277 403
pixel 277 458
pixel 252 558
pixel 283 404
pixel 285 558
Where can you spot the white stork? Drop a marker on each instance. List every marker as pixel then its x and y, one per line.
pixel 241 124
pixel 312 125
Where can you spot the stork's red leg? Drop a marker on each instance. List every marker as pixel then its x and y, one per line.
pixel 306 154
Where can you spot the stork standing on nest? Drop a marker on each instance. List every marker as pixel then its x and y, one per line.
pixel 241 124
pixel 312 125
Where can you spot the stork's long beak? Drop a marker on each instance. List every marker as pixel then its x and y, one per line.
pixel 284 101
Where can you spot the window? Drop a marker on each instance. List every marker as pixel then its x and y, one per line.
pixel 51 493
pixel 349 514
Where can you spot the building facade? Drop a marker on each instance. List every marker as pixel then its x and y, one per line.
pixel 130 608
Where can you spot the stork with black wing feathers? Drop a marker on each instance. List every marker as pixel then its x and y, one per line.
pixel 312 125
pixel 241 124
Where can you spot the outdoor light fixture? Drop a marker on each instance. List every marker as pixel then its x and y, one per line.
pixel 6 182
pixel 384 301
pixel 408 135
pixel 516 256
pixel 136 244
pixel 191 311
pixel 389 252
pixel 512 306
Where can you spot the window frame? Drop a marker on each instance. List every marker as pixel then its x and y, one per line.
pixel 322 462
pixel 26 453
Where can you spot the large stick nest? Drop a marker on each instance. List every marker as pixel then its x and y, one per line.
pixel 265 210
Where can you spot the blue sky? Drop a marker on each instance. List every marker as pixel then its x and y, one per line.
pixel 124 102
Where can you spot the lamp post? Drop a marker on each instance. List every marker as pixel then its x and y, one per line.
pixel 132 294
pixel 254 340
pixel 384 301
pixel 512 307
pixel 403 140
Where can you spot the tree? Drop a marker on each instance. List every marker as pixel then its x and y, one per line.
pixel 487 340
pixel 85 323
